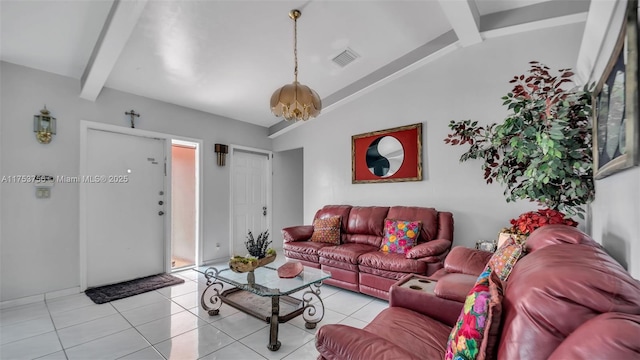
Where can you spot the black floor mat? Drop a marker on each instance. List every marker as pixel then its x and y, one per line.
pixel 103 294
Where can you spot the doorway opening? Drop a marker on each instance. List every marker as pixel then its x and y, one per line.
pixel 184 203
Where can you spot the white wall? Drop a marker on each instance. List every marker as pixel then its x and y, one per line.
pixel 616 209
pixel 288 182
pixel 465 84
pixel 39 238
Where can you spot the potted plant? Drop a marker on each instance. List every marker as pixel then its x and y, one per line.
pixel 260 253
pixel 542 149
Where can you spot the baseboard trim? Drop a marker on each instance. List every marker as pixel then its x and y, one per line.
pixel 38 298
pixel 60 293
pixel 22 301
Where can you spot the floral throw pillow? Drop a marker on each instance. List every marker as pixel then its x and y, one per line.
pixel 400 236
pixel 326 230
pixel 475 334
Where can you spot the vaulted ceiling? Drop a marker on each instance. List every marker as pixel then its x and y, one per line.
pixel 227 57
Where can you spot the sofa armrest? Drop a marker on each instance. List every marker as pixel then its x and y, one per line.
pixel 424 302
pixel 431 248
pixel 466 261
pixel 297 233
pixel 338 341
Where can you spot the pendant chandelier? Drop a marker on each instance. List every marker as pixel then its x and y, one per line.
pixel 295 101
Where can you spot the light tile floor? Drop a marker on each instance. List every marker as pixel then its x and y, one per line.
pixel 165 324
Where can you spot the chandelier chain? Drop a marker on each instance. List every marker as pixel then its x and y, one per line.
pixel 295 48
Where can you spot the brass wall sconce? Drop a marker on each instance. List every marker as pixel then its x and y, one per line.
pixel 221 150
pixel 44 125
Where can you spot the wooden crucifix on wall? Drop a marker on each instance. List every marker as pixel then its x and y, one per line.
pixel 133 115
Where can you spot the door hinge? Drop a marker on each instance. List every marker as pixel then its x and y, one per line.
pixel 165 168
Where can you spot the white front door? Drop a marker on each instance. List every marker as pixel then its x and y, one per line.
pixel 250 197
pixel 125 200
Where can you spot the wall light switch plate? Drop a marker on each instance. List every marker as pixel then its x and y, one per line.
pixel 43 193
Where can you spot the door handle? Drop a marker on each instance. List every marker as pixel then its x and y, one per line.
pixel 264 210
pixel 160 213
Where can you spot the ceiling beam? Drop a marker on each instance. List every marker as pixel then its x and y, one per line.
pixel 433 50
pixel 464 17
pixel 115 33
pixel 533 17
pixel 504 23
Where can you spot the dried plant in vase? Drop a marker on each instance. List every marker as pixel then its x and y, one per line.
pixel 258 247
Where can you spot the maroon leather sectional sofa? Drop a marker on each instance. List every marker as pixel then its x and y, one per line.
pixel 565 299
pixel 357 263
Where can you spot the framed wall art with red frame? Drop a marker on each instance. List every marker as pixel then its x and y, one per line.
pixel 390 155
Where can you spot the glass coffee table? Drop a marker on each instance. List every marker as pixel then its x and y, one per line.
pixel 264 295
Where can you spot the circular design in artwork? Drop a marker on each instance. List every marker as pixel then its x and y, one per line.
pixel 385 156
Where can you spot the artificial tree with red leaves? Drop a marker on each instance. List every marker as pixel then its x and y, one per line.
pixel 542 150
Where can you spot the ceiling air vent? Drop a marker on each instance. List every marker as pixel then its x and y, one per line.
pixel 345 58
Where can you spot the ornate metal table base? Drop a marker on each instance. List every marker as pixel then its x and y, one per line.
pixel 272 309
pixel 212 302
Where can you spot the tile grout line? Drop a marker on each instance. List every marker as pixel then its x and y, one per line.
pixel 197 281
pixel 184 309
pixel 207 324
pixel 138 331
pixel 46 304
pixel 102 337
pixel 180 306
pixel 154 345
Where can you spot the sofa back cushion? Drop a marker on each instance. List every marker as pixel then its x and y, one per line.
pixel 366 225
pixel 554 289
pixel 435 225
pixel 557 234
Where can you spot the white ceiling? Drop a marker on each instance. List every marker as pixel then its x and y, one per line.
pixel 227 57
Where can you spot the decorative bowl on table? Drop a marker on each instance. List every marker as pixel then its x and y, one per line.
pixel 241 264
pixel 290 269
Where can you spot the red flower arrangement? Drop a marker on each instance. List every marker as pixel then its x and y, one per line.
pixel 526 223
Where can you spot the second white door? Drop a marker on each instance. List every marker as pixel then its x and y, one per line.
pixel 250 197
